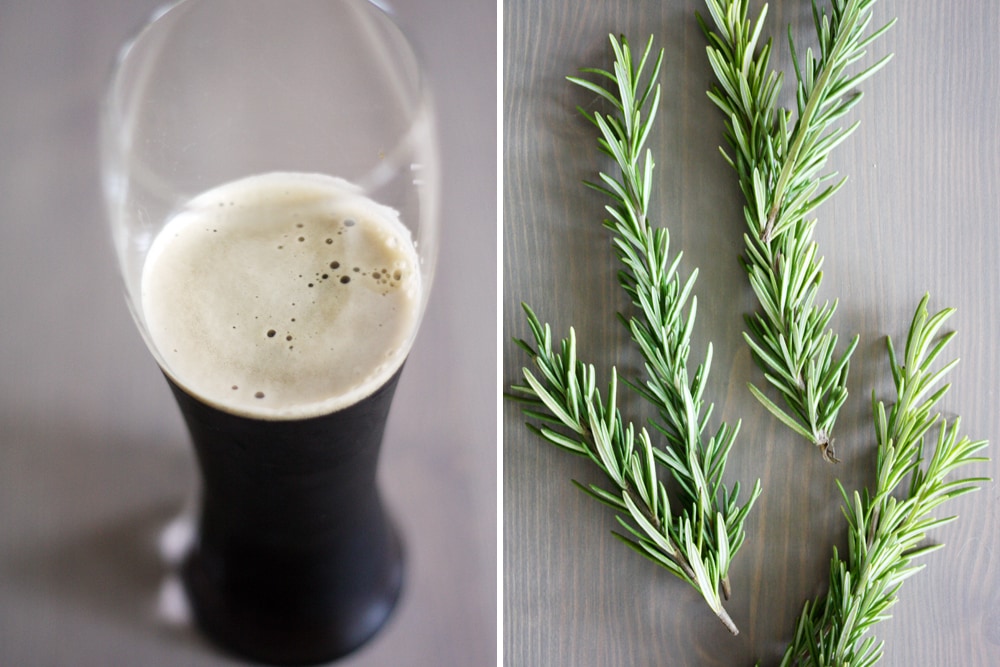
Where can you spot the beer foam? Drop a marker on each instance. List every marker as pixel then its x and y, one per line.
pixel 282 295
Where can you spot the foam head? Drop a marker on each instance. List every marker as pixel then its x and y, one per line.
pixel 282 295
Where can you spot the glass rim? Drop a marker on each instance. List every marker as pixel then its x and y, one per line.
pixel 422 104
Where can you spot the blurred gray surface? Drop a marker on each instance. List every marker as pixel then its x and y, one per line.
pixel 918 214
pixel 94 459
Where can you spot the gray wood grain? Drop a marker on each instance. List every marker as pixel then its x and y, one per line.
pixel 918 214
pixel 94 459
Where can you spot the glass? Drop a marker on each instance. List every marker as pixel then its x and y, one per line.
pixel 270 172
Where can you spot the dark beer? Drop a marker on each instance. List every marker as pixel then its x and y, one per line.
pixel 296 561
pixel 281 308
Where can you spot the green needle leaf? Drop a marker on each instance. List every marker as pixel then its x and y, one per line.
pixel 780 164
pixel 698 543
pixel 887 529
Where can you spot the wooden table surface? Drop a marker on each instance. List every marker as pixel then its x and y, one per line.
pixel 918 214
pixel 94 458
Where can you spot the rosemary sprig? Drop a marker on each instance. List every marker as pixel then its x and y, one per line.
pixel 887 527
pixel 779 164
pixel 699 542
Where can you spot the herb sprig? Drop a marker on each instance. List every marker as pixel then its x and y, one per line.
pixel 780 163
pixel 698 542
pixel 886 529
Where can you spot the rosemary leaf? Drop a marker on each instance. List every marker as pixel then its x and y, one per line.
pixel 888 527
pixel 780 163
pixel 698 543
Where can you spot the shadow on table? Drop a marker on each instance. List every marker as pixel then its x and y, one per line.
pixel 91 527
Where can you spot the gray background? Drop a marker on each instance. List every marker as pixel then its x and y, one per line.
pixel 94 459
pixel 918 214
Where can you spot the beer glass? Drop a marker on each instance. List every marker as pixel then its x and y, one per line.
pixel 255 154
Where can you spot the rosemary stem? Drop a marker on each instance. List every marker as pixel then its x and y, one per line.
pixel 727 621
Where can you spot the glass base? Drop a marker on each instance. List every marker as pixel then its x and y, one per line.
pixel 283 609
